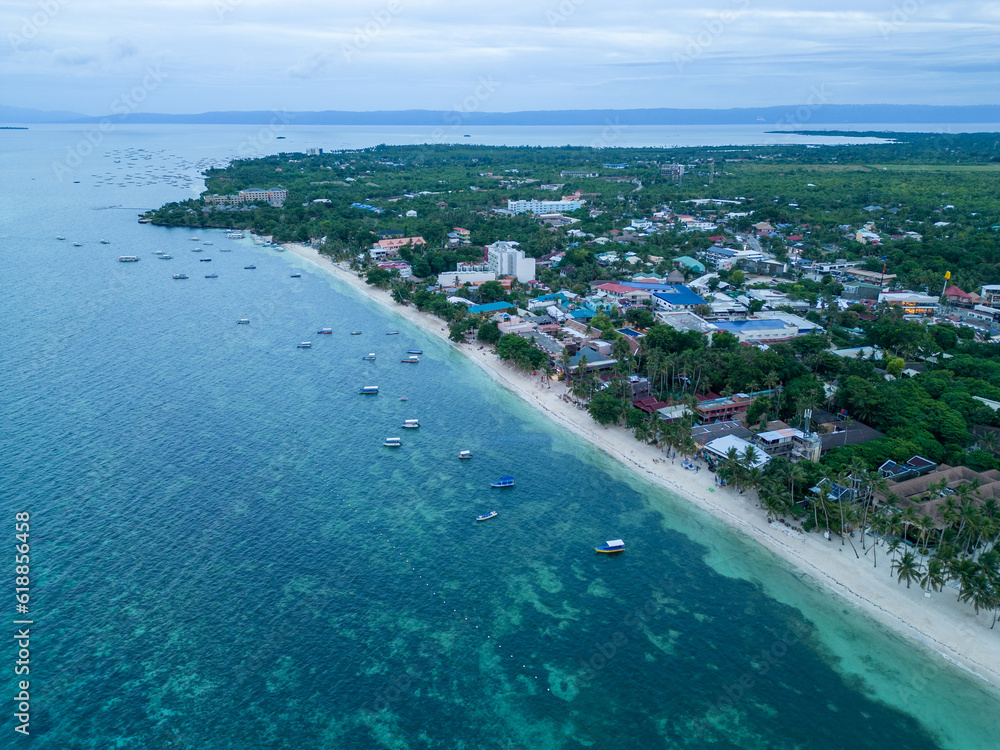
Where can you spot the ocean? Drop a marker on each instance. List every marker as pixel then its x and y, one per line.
pixel 223 554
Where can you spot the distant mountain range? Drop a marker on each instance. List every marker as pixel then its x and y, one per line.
pixel 792 115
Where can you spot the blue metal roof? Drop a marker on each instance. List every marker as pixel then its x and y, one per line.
pixel 492 307
pixel 678 295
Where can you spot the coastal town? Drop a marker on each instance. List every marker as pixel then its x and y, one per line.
pixel 839 376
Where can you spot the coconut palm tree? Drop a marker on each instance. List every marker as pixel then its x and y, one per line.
pixel 934 577
pixel 907 568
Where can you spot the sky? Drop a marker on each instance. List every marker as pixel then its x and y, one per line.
pixel 189 56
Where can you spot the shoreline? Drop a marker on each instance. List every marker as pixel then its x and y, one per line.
pixel 940 623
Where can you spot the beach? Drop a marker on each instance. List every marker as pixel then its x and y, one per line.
pixel 936 620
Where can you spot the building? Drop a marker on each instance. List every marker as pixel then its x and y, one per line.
pixel 713 408
pixel 404 270
pixel 768 326
pixel 390 248
pixel 458 278
pixel 504 259
pixel 619 293
pixel 911 303
pixel 956 296
pixel 990 294
pixel 272 196
pixel 791 443
pixel 542 207
pixel 492 307
pixel 719 448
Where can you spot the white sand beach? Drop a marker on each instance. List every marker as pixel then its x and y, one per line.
pixel 940 622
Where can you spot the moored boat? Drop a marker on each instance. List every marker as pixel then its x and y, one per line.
pixel 211 275
pixel 463 455
pixel 234 235
pixel 249 268
pixel 204 260
pixel 128 258
pixel 180 275
pixel 503 482
pixel 370 357
pixel 392 442
pixel 411 424
pixel 325 331
pixel 392 333
pixel 611 546
pixel 304 345
pixel 411 360
pixel 414 351
pixel 487 516
pixel 369 390
pixel 166 257
pixel 355 333
pixel 243 321
pixel 105 242
pixel 296 275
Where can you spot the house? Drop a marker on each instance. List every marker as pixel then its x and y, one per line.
pixel 915 467
pixel 791 443
pixel 956 296
pixel 686 261
pixel 719 450
pixel 911 303
pixel 990 294
pixel 619 293
pixel 596 361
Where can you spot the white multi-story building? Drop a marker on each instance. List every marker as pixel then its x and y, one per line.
pixel 504 259
pixel 542 207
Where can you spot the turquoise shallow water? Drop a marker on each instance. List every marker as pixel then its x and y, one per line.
pixel 224 555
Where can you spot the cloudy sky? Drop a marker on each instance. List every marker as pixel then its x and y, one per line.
pixel 182 56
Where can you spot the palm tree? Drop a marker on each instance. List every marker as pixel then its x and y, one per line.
pixel 989 441
pixel 934 577
pixel 907 568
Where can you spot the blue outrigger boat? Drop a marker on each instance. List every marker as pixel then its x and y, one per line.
pixel 611 546
pixel 503 482
pixel 487 516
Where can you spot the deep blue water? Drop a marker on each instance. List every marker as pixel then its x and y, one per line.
pixel 224 555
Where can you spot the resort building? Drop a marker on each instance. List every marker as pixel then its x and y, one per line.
pixel 390 248
pixel 272 196
pixel 542 207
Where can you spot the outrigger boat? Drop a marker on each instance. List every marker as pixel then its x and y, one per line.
pixel 370 357
pixel 411 360
pixel 304 345
pixel 392 442
pixel 411 424
pixel 487 516
pixel 392 333
pixel 414 351
pixel 243 321
pixel 355 333
pixel 463 455
pixel 611 546
pixel 369 390
pixel 503 482
pixel 328 331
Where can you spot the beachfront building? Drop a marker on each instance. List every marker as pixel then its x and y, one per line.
pixel 389 248
pixel 403 269
pixel 719 448
pixel 793 444
pixel 542 207
pixel 273 196
pixel 714 408
pixel 504 259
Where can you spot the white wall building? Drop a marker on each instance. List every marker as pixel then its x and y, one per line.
pixel 504 259
pixel 457 278
pixel 542 207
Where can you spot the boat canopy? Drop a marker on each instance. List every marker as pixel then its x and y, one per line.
pixel 615 543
